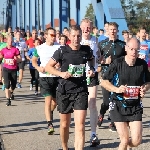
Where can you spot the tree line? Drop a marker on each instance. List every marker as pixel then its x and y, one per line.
pixel 137 13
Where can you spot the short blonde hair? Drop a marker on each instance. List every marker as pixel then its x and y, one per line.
pixel 87 20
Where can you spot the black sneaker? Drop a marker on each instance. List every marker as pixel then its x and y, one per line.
pixel 8 103
pixel 94 141
pixel 112 128
pixel 100 120
pixel 108 117
pixel 12 97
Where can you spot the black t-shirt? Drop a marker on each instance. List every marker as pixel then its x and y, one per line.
pixel 66 56
pixel 120 73
pixel 114 49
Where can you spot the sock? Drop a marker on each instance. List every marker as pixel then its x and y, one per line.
pixel 93 133
pixel 49 123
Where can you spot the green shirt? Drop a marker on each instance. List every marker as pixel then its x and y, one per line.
pixel 2 45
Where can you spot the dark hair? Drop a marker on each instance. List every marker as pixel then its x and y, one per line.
pixel 94 28
pixel 63 36
pixel 75 27
pixel 125 31
pixel 50 28
pixel 101 30
pixel 113 24
pixel 66 28
pixel 142 28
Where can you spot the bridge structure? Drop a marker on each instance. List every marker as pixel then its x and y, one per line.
pixel 40 14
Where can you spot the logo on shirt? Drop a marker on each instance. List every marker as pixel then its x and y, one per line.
pixel 144 47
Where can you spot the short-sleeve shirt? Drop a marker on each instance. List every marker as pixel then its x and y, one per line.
pixel 31 54
pixel 114 49
pixel 30 43
pixel 9 54
pixel 144 50
pixel 66 57
pixel 120 73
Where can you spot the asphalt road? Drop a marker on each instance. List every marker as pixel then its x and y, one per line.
pixel 23 125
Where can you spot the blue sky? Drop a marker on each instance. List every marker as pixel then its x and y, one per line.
pixel 83 9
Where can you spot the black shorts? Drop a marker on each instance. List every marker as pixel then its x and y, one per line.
pixel 94 80
pixel 0 61
pixel 48 86
pixel 118 113
pixel 21 65
pixel 71 101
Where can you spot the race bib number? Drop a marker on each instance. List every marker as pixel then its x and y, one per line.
pixel 142 56
pixel 9 62
pixel 77 70
pixel 132 92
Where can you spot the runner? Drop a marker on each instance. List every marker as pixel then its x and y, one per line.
pixel 128 78
pixel 48 82
pixel 125 35
pixel 144 45
pixel 110 49
pixel 34 73
pixel 86 27
pixel 72 91
pixel 63 40
pixel 21 45
pixel 11 56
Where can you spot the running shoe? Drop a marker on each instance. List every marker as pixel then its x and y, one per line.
pixel 19 86
pixel 8 103
pixel 50 130
pixel 112 128
pixel 3 87
pixel 109 117
pixel 12 96
pixel 36 93
pixel 31 87
pixel 100 120
pixel 94 141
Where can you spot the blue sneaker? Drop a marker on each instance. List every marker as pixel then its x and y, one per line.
pixel 19 85
pixel 3 87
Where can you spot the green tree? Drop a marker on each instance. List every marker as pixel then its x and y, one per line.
pixel 90 13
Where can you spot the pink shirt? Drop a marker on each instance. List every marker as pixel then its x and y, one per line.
pixel 9 54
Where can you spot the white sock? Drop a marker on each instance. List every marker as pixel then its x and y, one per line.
pixel 93 133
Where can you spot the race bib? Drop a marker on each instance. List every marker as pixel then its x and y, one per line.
pixel 142 56
pixel 77 70
pixel 9 62
pixel 132 92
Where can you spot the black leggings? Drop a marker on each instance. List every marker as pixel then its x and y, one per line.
pixel 105 104
pixel 34 77
pixel 10 78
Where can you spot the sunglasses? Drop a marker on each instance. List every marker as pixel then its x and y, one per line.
pixel 53 35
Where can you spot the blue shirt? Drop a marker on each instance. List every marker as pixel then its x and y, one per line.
pixel 144 50
pixel 30 54
pixel 101 38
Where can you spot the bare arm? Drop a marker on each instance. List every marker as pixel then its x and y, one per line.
pixel 108 85
pixel 34 62
pixel 50 68
pixel 18 58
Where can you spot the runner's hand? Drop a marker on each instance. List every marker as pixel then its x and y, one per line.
pixel 121 89
pixel 142 91
pixel 65 75
pixel 108 60
pixel 91 73
pixel 41 69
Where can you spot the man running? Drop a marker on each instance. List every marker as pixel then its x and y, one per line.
pixel 128 78
pixel 48 82
pixel 72 93
pixel 110 49
pixel 21 45
pixel 87 39
pixel 11 57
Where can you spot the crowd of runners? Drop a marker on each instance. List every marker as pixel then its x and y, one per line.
pixel 69 67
